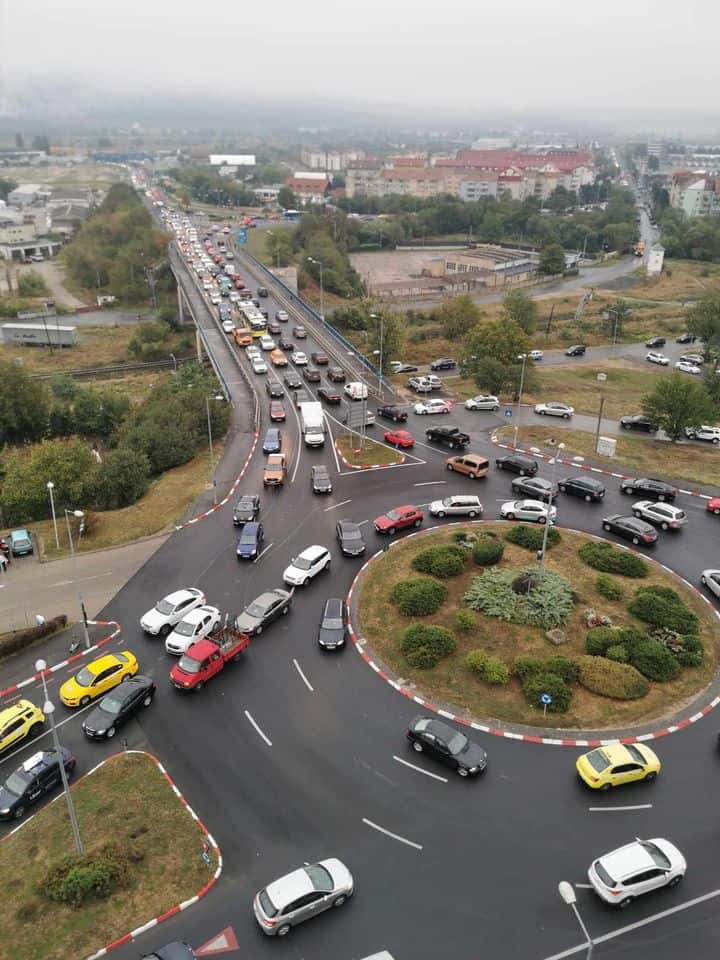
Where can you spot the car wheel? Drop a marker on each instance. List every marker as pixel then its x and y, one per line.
pixel 661 496
pixel 521 472
pixel 450 468
pixel 473 476
pixel 675 880
pixel 625 426
pixel 125 676
pixel 35 729
pixel 165 630
pixel 716 511
pixel 85 701
pixel 446 410
pixel 588 498
pixel 715 440
pixel 148 700
pixel 636 513
pixel 541 519
pixel 605 787
pixel 19 811
pixel 495 409
pixel 626 902
pixel 391 531
pixel 463 771
pixel 636 540
pixel 509 516
pixel 440 513
pixel 650 776
pixel 286 610
pixel 199 685
pixel 562 488
pixel 566 416
pixel 110 732
pixel 339 901
pixel 283 930
pixel 417 523
pixel 606 526
pixel 703 581
pixel 663 525
pixel 258 630
pixel 327 566
pixel 417 746
pixel 305 582
pixel 472 514
pixel 625 490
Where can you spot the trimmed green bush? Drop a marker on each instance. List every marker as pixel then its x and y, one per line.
pixel 446 560
pixel 562 667
pixel 423 645
pixel 630 637
pixel 662 607
pixel 603 556
pixel 524 667
pixel 608 588
pixel 465 620
pixel 692 653
pixel 654 661
pixel 488 551
pixel 496 672
pixel 531 537
pixel 554 686
pixel 617 652
pixel 419 596
pixel 98 875
pixel 598 639
pixel 547 605
pixel 620 681
pixel 475 661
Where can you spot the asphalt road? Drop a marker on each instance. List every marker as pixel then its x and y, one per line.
pixel 482 877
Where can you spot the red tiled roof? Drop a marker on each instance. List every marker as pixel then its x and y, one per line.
pixel 498 159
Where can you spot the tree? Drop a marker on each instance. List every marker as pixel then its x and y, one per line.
pixel 23 405
pixel 70 465
pixel 617 315
pixel 518 307
pixel 392 329
pixel 98 413
pixel 676 403
pixel 6 187
pixel 122 478
pixel 287 199
pixel 31 284
pixel 458 315
pixel 279 245
pixel 501 340
pixel 552 259
pixel 704 321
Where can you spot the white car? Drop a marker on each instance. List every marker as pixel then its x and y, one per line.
pixel 663 515
pixel 658 358
pixel 709 434
pixel 228 326
pixel 259 365
pixel 420 384
pixel 684 367
pixel 482 402
pixel 638 867
pixel 536 355
pixel 431 406
pixel 299 358
pixel 282 316
pixel 463 505
pixel 433 381
pixel 532 510
pixel 307 565
pixel 711 579
pixel 251 350
pixel 197 624
pixel 267 343
pixel 553 409
pixel 171 609
pixel 215 298
pixel 302 894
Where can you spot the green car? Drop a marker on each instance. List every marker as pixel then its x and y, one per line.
pixel 21 542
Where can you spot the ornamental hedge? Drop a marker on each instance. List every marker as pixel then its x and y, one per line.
pixel 539 683
pixel 662 607
pixel 488 668
pixel 654 661
pixel 620 681
pixel 446 560
pixel 608 588
pixel 419 596
pixel 603 556
pixel 424 645
pixel 531 537
pixel 488 550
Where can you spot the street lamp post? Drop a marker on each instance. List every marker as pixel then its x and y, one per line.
pixel 523 357
pixel 210 442
pixel 567 892
pixel 49 710
pixel 83 615
pixel 50 485
pixel 271 233
pixel 174 360
pixel 319 263
pixel 541 564
pixel 375 316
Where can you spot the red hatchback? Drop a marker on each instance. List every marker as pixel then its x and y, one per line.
pixel 398 519
pixel 400 438
pixel 713 505
pixel 277 410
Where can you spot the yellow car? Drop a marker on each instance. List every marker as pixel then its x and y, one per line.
pixel 616 764
pixel 97 677
pixel 22 719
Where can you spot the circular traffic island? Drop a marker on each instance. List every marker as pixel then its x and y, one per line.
pixel 597 638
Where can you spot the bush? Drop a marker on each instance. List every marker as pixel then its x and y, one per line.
pixel 654 661
pixel 531 537
pixel 496 671
pixel 547 605
pixel 96 876
pixel 122 478
pixel 630 637
pixel 692 652
pixel 562 667
pixel 17 640
pixel 603 556
pixel 598 639
pixel 419 596
pixel 442 561
pixel 620 681
pixel 524 667
pixel 617 652
pixel 424 645
pixel 465 620
pixel 662 607
pixel 488 551
pixel 608 588
pixel 475 661
pixel 554 686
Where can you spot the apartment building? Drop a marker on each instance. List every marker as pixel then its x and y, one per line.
pixel 696 194
pixel 331 161
pixel 308 186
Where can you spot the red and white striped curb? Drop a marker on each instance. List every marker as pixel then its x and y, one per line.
pixel 369 466
pixel 76 656
pixel 230 493
pixel 534 452
pixel 359 643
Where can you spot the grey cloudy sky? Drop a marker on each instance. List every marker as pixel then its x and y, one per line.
pixel 617 58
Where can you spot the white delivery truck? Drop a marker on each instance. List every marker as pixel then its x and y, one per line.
pixel 356 390
pixel 312 423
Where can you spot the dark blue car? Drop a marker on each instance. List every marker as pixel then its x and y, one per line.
pixel 249 545
pixel 273 441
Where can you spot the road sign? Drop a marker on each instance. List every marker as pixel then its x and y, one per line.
pixel 508 412
pixel 242 236
pixel 546 699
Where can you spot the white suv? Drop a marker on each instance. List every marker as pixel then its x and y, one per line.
pixel 197 624
pixel 709 434
pixel 638 867
pixel 171 609
pixel 306 566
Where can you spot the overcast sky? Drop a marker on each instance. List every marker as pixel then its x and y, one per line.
pixel 618 58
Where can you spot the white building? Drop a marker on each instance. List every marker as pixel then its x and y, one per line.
pixel 329 160
pixel 655 259
pixel 27 193
pixel 232 159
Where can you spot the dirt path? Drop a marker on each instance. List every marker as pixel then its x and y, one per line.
pixel 53 274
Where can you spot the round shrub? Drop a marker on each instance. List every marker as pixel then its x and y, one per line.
pixel 608 587
pixel 662 607
pixel 603 556
pixel 475 661
pixel 465 620
pixel 424 645
pixel 562 667
pixel 459 536
pixel 531 537
pixel 422 658
pixel 496 671
pixel 96 877
pixel 488 551
pixel 654 661
pixel 554 686
pixel 419 596
pixel 692 652
pixel 620 681
pixel 598 639
pixel 617 652
pixel 444 561
pixel 630 637
pixel 524 667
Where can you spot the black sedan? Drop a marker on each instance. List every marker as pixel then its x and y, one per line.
pixel 336 375
pixel 656 342
pixel 329 396
pixel 333 625
pixel 311 374
pixel 630 528
pixel 274 389
pixel 686 338
pixel 292 381
pixel 35 777
pixel 447 744
pixel 638 421
pixel 391 412
pixel 246 509
pixel 320 479
pixel 115 708
pixel 536 488
pixel 350 538
pixel 287 345
pixel 443 363
pixel 650 488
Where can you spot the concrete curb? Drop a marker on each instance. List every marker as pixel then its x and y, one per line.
pixel 231 491
pixel 370 466
pixel 519 734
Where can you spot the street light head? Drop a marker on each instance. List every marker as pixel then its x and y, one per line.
pixel 567 892
pixel 78 513
pixel 40 665
pixel 48 708
pixel 522 356
pixel 50 485
pixel 561 446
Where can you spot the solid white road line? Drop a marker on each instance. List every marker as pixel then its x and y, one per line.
pixel 420 769
pixel 395 836
pixel 262 553
pixel 582 948
pixel 583 886
pixel 305 679
pixel 336 505
pixel 267 740
pixel 639 806
pixel 430 483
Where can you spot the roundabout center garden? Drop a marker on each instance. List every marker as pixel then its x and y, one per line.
pixel 463 615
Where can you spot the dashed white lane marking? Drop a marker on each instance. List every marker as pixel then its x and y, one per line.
pixel 420 769
pixel 305 679
pixel 430 483
pixel 267 740
pixel 639 806
pixel 395 836
pixel 621 931
pixel 362 522
pixel 336 505
pixel 262 553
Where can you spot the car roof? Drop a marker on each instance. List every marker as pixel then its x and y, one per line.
pixel 313 552
pixel 269 596
pixel 102 663
pixel 197 613
pixel 289 888
pixel 16 709
pixel 333 605
pixel 627 860
pixel 320 468
pixel 177 595
pixel 348 524
pixel 436 727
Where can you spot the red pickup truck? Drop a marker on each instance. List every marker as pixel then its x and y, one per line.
pixel 207 657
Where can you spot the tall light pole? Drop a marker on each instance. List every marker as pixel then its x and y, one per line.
pixel 319 263
pixel 210 442
pixel 271 233
pixel 50 485
pixel 541 564
pixel 381 320
pixel 567 892
pixel 49 710
pixel 523 357
pixel 83 615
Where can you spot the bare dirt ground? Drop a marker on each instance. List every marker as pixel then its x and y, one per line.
pixel 53 274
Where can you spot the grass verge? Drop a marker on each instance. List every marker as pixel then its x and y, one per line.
pixel 678 461
pixel 127 800
pixel 371 453
pixel 451 684
pixel 680 280
pixel 624 388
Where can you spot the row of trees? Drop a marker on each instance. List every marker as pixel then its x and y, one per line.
pixel 692 238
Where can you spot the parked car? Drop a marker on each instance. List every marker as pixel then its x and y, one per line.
pixel 333 628
pixel 695 358
pixel 399 367
pixel 420 384
pixel 534 511
pixel 400 518
pixel 29 782
pixel 263 611
pixel 443 363
pixel 622 875
pixel 554 409
pixel 246 509
pixel 536 355
pixel 684 367
pixel 432 736
pixel 462 505
pixel 450 436
pixel 307 565
pixel 630 528
pixel 658 358
pixel 435 405
pixel 576 350
pixel 638 421
pixel 482 402
pixel 320 479
pixel 589 488
pixel 470 464
pixel 336 375
pixel 656 342
pixel 274 389
pixel 117 707
pixel 649 487
pixel 686 338
pixel 518 463
pixel 273 441
pixel 197 624
pixel 302 894
pixel 331 397
pixel 705 432
pixel 21 543
pixel 170 610
pixel 535 488
pixel 350 538
pixel 392 412
pixel 277 411
pixel 663 515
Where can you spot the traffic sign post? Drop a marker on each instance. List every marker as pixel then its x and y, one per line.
pixel 545 700
pixel 242 236
pixel 508 412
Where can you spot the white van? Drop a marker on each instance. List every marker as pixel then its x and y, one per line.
pixel 356 390
pixel 383 955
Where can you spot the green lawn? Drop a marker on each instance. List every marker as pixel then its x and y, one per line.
pixel 369 454
pixel 624 388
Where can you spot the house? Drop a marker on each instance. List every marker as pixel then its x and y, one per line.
pixel 67 218
pixel 308 186
pixel 329 160
pixel 26 194
pixel 694 193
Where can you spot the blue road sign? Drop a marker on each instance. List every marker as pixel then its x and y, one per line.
pixel 242 236
pixel 546 699
pixel 508 412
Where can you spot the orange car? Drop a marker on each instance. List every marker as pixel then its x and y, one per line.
pixel 278 358
pixel 243 337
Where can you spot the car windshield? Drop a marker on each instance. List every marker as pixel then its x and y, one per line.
pixel 658 857
pixel 635 753
pixel 17 782
pixel 248 538
pixel 185 628
pixel 112 704
pixel 85 677
pixel 457 743
pixel 301 563
pixel 188 665
pixel 604 875
pixel 319 877
pixel 256 610
pixel 598 760
pixel 164 607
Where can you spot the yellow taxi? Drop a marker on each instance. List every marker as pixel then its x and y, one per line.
pixel 278 358
pixel 23 719
pixel 97 677
pixel 616 764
